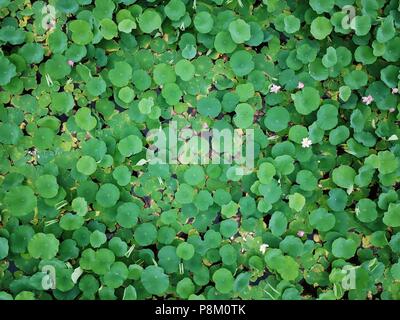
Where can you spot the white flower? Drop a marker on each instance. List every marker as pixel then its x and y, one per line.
pixel 306 142
pixel 263 248
pixel 300 233
pixel 71 63
pixel 367 100
pixel 51 24
pixel 300 85
pixel 274 88
pixel 395 90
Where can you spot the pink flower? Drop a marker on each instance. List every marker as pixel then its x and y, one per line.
pixel 274 88
pixel 391 110
pixel 70 63
pixel 395 90
pixel 300 85
pixel 51 24
pixel 367 100
pixel 300 233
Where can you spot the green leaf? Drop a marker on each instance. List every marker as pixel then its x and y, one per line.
pixel 20 201
pixel 185 251
pixel 343 176
pixel 203 22
pixel 96 86
pixel 46 186
pixel 130 145
pixel 223 43
pixel 292 24
pixel 240 31
pixel 145 234
pixel 330 58
pixel 108 29
pixel 322 220
pixel 288 268
pixel 8 71
pixel 223 280
pixel 277 119
pixel 175 9
pixel 386 30
pixel 320 28
pixel 194 175
pixel 154 280
pixel 322 6
pixel 278 223
pixel 344 248
pixel 361 24
pixel 84 119
pixel 296 201
pixel 81 32
pixel 241 63
pixel 43 246
pixel 392 215
pixel 3 248
pixel 366 210
pixel 327 117
pixel 149 21
pixel 86 165
pixel 387 162
pixel 185 288
pixel 229 210
pixel 244 115
pixel 108 195
pixel 120 74
pixel 266 172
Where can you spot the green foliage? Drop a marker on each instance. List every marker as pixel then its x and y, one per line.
pixel 78 193
pixel 43 246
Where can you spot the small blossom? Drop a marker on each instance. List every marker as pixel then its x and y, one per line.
pixel 300 233
pixel 395 90
pixel 300 85
pixel 306 142
pixel 51 24
pixel 274 88
pixel 263 248
pixel 70 63
pixel 367 100
pixel 391 110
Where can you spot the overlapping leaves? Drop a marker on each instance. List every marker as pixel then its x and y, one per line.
pixel 79 94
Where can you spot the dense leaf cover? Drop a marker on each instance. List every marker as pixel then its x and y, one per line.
pixel 82 81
